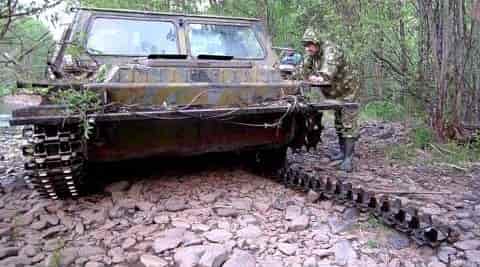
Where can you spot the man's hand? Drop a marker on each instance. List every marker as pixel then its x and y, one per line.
pixel 316 79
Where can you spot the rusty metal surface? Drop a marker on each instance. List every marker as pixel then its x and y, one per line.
pixel 144 12
pixel 49 114
pixel 138 139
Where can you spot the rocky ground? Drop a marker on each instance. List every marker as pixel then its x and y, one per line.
pixel 217 213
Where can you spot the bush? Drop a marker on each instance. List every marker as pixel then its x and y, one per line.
pixel 383 110
pixel 422 137
pixel 5 90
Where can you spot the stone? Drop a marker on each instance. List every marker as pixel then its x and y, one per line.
pixel 147 230
pixel 162 219
pixel 212 197
pixel 299 223
pixel 226 212
pixel 240 259
pixel 175 204
pixel 344 252
pixel 247 219
pixel 39 225
pixel 15 261
pixel 6 231
pixel 79 228
pixel 128 243
pixel 287 249
pixel 279 204
pixel 38 258
pixel 445 254
pixel 144 205
pixel 117 187
pixel 466 224
pixel 117 254
pixel 90 251
pixel 66 257
pixel 272 263
pixel 467 244
pixel 52 244
pixel 214 256
pixel 322 253
pixel 94 264
pixel 25 219
pixel 188 256
pixel 310 262
pixel 29 251
pixel 292 212
pixel 52 231
pixel 398 241
pixel 218 236
pixel 181 224
pixel 473 256
pixel 152 261
pixel 8 252
pixel 250 232
pixel 51 219
pixel 351 214
pixel 341 226
pixel 436 263
pixel 242 204
pixel 312 196
pixel 199 228
pixel 166 243
pixel 321 234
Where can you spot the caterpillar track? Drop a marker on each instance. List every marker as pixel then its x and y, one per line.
pixel 54 160
pixel 419 226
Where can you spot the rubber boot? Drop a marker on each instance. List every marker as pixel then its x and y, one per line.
pixel 341 154
pixel 347 164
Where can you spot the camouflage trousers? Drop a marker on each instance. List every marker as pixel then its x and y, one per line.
pixel 346 119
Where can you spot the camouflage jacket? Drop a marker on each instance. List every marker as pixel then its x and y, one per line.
pixel 330 64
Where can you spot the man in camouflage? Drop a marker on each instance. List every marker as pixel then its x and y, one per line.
pixel 325 62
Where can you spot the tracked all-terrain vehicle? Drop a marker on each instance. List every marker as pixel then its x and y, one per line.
pixel 163 85
pixel 129 84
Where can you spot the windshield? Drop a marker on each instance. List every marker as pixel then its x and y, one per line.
pixel 132 37
pixel 224 40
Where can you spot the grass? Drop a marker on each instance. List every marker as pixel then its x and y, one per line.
pixel 372 244
pixel 451 154
pixel 382 110
pixel 57 254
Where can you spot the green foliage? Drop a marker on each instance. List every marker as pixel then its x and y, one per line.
pixel 383 110
pixel 422 139
pixel 373 222
pixel 81 103
pixel 422 136
pixel 29 43
pixel 6 89
pixel 402 152
pixel 372 244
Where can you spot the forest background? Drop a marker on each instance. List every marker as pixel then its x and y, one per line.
pixel 418 60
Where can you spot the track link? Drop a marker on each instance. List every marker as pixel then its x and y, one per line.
pixel 55 159
pixel 419 226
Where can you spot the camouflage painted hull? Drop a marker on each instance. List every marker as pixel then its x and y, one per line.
pixel 122 136
pixel 183 137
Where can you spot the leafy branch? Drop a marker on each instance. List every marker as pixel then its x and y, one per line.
pixel 81 103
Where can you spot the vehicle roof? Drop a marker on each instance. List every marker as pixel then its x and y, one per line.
pixel 127 11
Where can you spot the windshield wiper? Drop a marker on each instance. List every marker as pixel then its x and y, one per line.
pixel 214 57
pixel 167 56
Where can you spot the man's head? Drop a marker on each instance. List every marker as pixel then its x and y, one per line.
pixel 311 48
pixel 311 41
